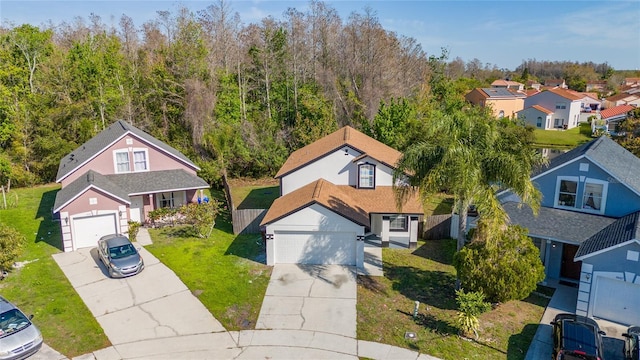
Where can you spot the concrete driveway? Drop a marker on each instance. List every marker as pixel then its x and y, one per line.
pixel 311 297
pixel 150 314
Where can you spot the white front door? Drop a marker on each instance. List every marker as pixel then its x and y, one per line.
pixel 135 210
pixel 89 229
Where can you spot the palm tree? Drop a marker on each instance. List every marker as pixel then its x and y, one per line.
pixel 470 155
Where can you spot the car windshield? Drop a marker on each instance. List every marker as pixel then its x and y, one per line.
pixel 119 252
pixel 12 321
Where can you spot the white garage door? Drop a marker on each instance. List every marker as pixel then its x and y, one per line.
pixel 315 248
pixel 88 230
pixel 617 300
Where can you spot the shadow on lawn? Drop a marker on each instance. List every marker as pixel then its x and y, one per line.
pixel 441 251
pixel 519 343
pixel 433 288
pixel 49 229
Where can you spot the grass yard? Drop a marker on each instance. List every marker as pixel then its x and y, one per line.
pixel 385 308
pixel 40 287
pixel 563 138
pixel 226 272
pixel 254 194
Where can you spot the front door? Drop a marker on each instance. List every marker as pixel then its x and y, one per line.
pixel 570 269
pixel 135 208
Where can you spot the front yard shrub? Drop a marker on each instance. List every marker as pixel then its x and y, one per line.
pixel 470 306
pixel 504 267
pixel 11 243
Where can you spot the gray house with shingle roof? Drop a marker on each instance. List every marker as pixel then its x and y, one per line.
pixel 120 175
pixel 588 227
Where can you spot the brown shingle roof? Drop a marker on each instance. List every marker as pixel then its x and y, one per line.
pixel 540 108
pixel 567 94
pixel 345 136
pixel 354 204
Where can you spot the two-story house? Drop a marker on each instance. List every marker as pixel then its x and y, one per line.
pixel 120 175
pixel 552 109
pixel 507 84
pixel 502 101
pixel 588 227
pixel 335 193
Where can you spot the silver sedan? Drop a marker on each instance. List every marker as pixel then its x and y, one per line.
pixel 119 255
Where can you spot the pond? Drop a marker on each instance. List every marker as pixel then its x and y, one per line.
pixel 551 153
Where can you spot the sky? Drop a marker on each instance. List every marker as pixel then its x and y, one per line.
pixel 503 33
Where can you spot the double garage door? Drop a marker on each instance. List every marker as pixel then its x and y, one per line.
pixel 617 300
pixel 315 247
pixel 88 230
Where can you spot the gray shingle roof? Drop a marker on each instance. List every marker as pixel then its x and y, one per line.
pixel 124 185
pixel 622 230
pixel 607 154
pixel 82 183
pixel 557 224
pixel 106 137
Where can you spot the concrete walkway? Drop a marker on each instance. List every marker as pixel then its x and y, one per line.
pixel 153 315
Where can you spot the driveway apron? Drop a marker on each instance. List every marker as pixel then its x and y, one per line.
pixel 153 307
pixel 311 297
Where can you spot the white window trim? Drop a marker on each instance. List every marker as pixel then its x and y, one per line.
pixel 557 193
pixel 404 228
pixel 115 160
pixel 603 201
pixel 373 181
pixel 146 159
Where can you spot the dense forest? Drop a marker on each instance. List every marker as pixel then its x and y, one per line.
pixel 232 96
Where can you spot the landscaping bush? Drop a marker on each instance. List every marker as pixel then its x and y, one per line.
pixel 470 306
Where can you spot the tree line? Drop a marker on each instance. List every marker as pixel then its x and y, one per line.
pixel 234 97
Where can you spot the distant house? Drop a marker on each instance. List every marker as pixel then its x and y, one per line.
pixel 562 105
pixel 630 81
pixel 503 102
pixel 120 175
pixel 553 83
pixel 507 84
pixel 599 85
pixel 624 98
pixel 588 227
pixel 610 118
pixel 533 85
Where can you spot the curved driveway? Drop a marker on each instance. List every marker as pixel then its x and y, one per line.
pixel 308 313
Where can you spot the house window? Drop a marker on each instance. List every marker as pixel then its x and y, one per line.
pixel 561 105
pixel 166 200
pixel 539 122
pixel 567 191
pixel 398 223
pixel 366 177
pixel 122 161
pixel 501 114
pixel 594 194
pixel 140 160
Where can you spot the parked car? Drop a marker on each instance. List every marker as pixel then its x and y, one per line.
pixel 576 337
pixel 19 337
pixel 632 343
pixel 119 255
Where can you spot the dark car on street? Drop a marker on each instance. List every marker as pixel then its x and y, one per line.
pixel 632 343
pixel 576 337
pixel 119 255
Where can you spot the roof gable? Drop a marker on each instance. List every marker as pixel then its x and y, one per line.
pixel 622 231
pixel 567 94
pixel 605 153
pixel 347 136
pixel 90 180
pixel 97 144
pixel 354 204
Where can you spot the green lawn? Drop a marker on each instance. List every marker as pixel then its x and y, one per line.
pixel 563 138
pixel 385 307
pixel 221 271
pixel 40 287
pixel 254 194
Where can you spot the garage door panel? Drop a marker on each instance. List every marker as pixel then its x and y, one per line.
pixel 88 230
pixel 315 248
pixel 617 300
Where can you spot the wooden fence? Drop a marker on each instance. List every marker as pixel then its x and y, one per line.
pixel 436 227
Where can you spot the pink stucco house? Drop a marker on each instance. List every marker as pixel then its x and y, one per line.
pixel 120 175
